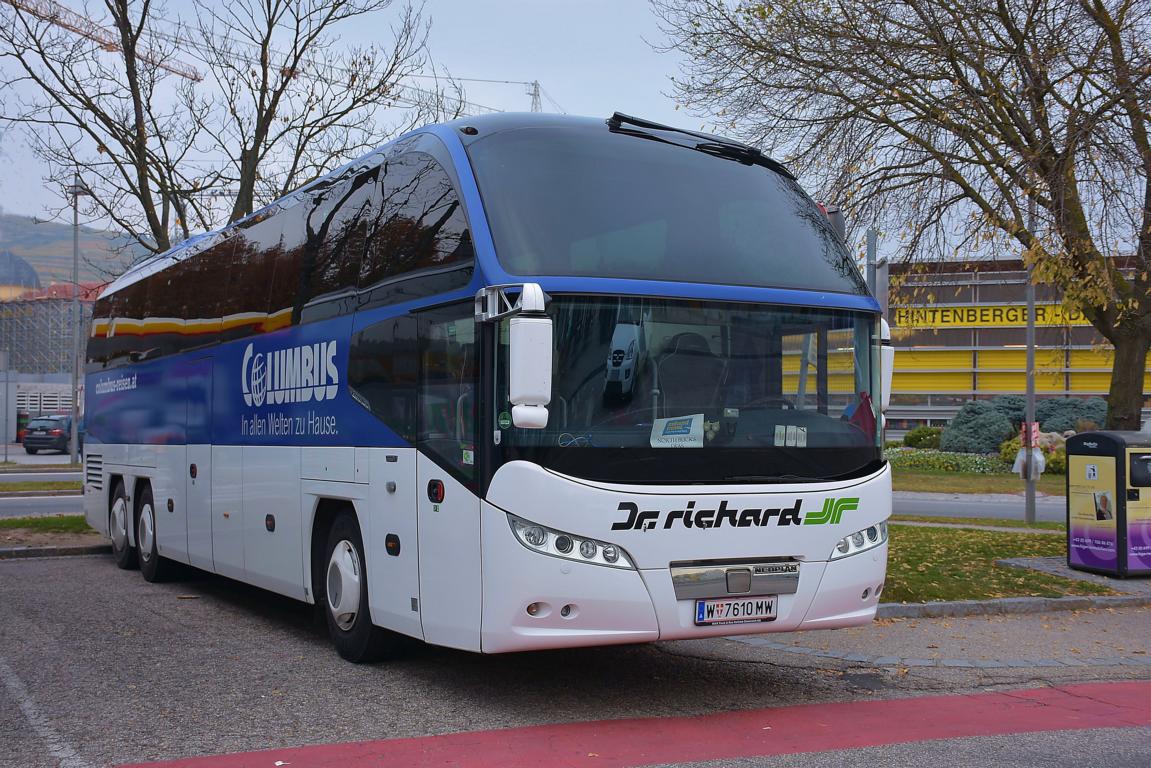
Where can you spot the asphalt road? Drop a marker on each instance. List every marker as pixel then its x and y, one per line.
pixel 18 455
pixel 98 667
pixel 1000 506
pixel 25 506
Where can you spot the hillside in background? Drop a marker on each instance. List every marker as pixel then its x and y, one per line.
pixel 48 248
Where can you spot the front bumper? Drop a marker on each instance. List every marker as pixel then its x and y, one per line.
pixel 606 606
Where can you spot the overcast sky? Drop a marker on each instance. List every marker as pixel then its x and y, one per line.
pixel 591 56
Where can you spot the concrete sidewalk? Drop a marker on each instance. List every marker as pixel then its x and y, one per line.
pixel 1115 639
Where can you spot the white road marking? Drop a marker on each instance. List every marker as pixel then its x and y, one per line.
pixel 57 746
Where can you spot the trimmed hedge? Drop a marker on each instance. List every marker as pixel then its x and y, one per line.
pixel 1062 414
pixel 1014 407
pixel 979 427
pixel 943 461
pixel 923 437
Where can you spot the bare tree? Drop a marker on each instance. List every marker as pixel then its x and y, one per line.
pixel 942 120
pixel 290 100
pixel 102 115
pixel 279 101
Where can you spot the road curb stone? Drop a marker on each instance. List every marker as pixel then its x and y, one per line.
pixel 20 553
pixel 941 663
pixel 1007 605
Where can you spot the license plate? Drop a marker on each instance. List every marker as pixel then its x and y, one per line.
pixel 740 610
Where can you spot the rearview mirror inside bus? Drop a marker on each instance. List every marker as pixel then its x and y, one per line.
pixel 530 374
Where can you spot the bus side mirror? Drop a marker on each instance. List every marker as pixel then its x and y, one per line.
pixel 886 364
pixel 530 361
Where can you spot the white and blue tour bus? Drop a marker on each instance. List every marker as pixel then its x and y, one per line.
pixel 511 382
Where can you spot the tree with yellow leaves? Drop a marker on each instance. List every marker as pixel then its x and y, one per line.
pixel 946 121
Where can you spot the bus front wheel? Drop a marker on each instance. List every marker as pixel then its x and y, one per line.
pixel 119 517
pixel 345 597
pixel 152 566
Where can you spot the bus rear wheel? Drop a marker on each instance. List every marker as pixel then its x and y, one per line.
pixel 345 597
pixel 119 516
pixel 152 566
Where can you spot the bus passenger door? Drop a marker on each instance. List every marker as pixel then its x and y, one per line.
pixel 198 472
pixel 448 507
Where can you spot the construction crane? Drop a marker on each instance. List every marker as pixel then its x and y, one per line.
pixel 531 87
pixel 54 13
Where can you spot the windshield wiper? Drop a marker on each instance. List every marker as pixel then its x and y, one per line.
pixel 745 155
pixel 774 478
pixel 711 145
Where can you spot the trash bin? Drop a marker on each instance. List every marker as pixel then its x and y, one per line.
pixel 1109 502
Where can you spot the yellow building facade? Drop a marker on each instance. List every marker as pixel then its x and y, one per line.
pixel 959 331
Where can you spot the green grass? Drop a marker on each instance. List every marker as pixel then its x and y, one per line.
pixel 48 524
pixel 979 521
pixel 929 564
pixel 16 467
pixel 970 482
pixel 38 485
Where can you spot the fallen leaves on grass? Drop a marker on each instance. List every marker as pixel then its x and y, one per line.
pixel 927 564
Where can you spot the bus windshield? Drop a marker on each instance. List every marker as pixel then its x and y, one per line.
pixel 671 391
pixel 584 201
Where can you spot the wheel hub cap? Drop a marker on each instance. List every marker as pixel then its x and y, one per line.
pixel 147 532
pixel 344 584
pixel 118 526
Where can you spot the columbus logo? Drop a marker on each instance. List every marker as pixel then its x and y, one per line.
pixel 293 375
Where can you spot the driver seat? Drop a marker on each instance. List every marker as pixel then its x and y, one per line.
pixel 689 376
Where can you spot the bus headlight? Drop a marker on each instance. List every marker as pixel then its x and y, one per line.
pixel 860 541
pixel 568 546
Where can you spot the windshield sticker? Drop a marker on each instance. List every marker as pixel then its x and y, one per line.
pixel 504 420
pixel 678 432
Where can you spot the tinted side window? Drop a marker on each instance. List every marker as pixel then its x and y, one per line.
pixel 200 283
pixel 286 272
pixel 448 383
pixel 420 243
pixel 98 343
pixel 126 330
pixel 383 372
pixel 248 278
pixel 335 235
pixel 176 296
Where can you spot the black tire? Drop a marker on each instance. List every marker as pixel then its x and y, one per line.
pixel 153 567
pixel 355 637
pixel 119 518
pixel 32 451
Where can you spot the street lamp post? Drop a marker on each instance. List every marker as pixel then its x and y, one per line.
pixel 76 190
pixel 1029 418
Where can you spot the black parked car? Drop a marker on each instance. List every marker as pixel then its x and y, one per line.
pixel 48 433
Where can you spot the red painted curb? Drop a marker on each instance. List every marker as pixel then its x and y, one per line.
pixel 754 733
